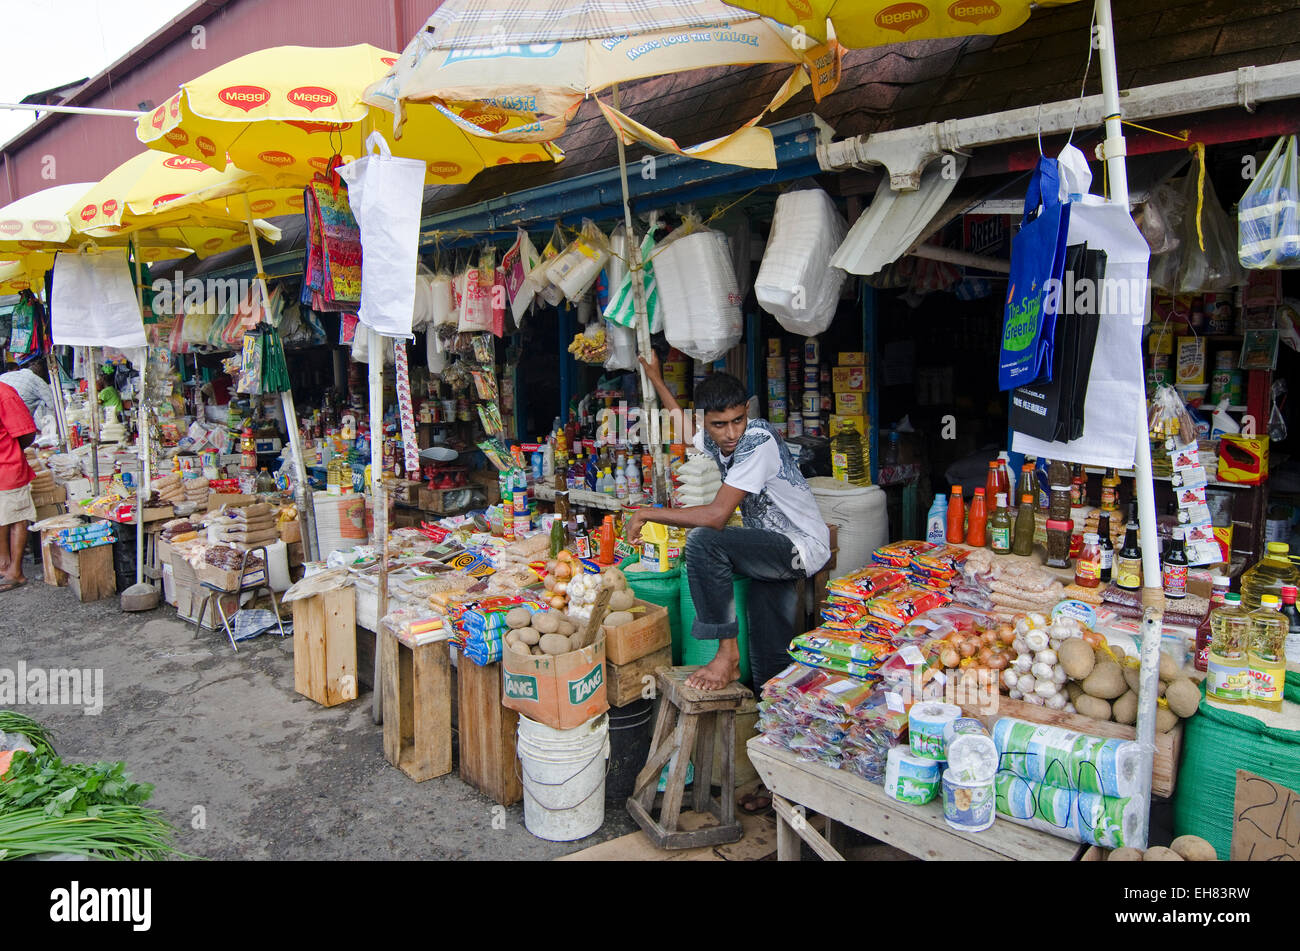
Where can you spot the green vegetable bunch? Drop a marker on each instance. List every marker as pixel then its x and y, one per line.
pixel 60 788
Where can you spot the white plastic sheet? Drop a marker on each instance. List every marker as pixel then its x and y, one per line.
pixel 698 293
pixel 93 302
pixel 796 283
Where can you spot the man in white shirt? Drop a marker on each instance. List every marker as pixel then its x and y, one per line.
pixel 31 381
pixel 784 537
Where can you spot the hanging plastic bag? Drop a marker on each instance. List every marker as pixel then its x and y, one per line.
pixel 537 280
pixel 1268 215
pixel 698 292
pixel 519 262
pixel 1206 258
pixel 475 301
pixel 576 268
pixel 434 354
pixel 796 283
pixel 621 308
pixel 422 312
pixel 442 299
pixel 621 342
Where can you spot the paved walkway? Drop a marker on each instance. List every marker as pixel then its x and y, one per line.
pixel 245 767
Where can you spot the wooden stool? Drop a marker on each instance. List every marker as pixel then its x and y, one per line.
pixel 687 721
pixel 417 706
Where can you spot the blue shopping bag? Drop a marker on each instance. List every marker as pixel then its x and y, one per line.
pixel 1034 288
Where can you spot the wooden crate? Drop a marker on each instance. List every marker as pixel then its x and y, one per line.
pixel 88 572
pixel 487 733
pixel 447 501
pixel 417 706
pixel 647 633
pixel 625 683
pixel 1169 746
pixel 325 647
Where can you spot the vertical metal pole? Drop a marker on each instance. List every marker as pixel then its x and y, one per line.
pixel 92 378
pixel 1152 592
pixel 301 490
pixel 378 500
pixel 870 310
pixel 142 420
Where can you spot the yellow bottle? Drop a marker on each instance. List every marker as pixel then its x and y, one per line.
pixel 1267 654
pixel 1227 677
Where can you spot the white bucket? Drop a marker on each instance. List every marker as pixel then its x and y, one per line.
pixel 860 516
pixel 563 773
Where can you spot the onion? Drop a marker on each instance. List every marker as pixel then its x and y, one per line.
pixel 561 587
pixel 1006 634
pixel 984 656
pixel 558 602
pixel 1093 638
pixel 989 637
pixel 949 657
pixel 999 661
pixel 966 648
pixel 563 572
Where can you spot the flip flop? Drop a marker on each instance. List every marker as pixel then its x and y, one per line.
pixel 756 802
pixel 10 585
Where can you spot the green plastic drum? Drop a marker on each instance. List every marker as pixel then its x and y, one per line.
pixel 664 589
pixel 701 652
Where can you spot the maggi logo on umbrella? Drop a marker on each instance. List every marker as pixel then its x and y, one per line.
pixel 312 98
pixel 44 227
pixel 319 162
pixel 443 169
pixel 974 11
pixel 110 208
pixel 19 285
pixel 902 16
pixel 272 157
pixel 801 7
pixel 163 199
pixel 205 145
pixel 486 121
pixel 174 106
pixel 244 97
pixel 262 204
pixel 157 118
pixel 294 201
pixel 185 163
pixel 11 226
pixel 177 137
pixel 88 212
pixel 212 244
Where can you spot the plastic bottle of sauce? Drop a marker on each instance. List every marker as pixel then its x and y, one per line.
pixel 993 482
pixel 1292 620
pixel 999 526
pixel 1024 535
pixel 1228 670
pixel 1128 561
pixel 956 517
pixel 607 541
pixel 976 523
pixel 1267 654
pixel 1087 570
pixel 1078 486
pixel 1218 592
pixel 1028 485
pixel 1110 491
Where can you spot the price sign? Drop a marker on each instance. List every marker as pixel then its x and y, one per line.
pixel 1265 821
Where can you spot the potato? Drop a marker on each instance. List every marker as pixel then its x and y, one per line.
pixel 518 617
pixel 527 635
pixel 1126 854
pixel 1132 677
pixel 1158 853
pixel 1106 682
pixel 576 642
pixel 1166 720
pixel 1169 668
pixel 1194 849
pixel 1114 649
pixel 618 619
pixel 1076 657
pixel 547 623
pixel 622 601
pixel 519 648
pixel 1073 691
pixel 554 644
pixel 566 627
pixel 549 582
pixel 1090 706
pixel 1125 709
pixel 1183 696
pixel 536 651
pixel 614 579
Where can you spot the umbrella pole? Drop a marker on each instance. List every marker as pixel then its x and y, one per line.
pixel 56 388
pixel 142 421
pixel 649 399
pixel 92 377
pixel 379 500
pixel 1153 599
pixel 306 512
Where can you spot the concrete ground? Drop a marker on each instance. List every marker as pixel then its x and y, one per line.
pixel 242 765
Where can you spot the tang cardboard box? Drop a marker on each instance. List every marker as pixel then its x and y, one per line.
pixel 561 691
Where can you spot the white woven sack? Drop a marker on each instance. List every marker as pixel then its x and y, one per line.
pixel 796 283
pixel 698 294
pixel 444 304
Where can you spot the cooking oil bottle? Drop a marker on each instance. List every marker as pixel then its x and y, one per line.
pixel 850 456
pixel 1228 670
pixel 1268 576
pixel 1267 654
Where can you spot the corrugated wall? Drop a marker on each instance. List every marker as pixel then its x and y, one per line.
pixel 85 148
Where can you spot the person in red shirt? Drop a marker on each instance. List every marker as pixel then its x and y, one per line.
pixel 17 430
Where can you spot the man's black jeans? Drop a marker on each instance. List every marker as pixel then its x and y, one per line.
pixel 773 565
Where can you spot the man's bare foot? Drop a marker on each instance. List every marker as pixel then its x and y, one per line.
pixel 719 672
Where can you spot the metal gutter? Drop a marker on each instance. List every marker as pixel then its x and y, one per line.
pixel 906 152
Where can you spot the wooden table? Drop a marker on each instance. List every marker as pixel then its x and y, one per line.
pixel 848 800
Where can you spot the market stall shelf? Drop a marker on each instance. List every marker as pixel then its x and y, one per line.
pixel 579 498
pixel 486 733
pixel 325 647
pixel 88 572
pixel 417 706
pixel 687 725
pixel 852 801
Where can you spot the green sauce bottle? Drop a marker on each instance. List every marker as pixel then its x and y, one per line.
pixel 1024 541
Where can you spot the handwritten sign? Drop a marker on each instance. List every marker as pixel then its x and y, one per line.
pixel 1265 821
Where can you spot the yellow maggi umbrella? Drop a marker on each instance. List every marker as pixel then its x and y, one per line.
pixel 147 194
pixel 26 274
pixel 862 23
pixel 283 113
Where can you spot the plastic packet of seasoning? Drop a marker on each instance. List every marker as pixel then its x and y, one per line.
pixel 484 349
pixel 793 682
pixel 834 663
pixel 839 644
pixel 944 562
pixel 902 604
pixel 485 384
pixel 900 554
pixel 866 583
pixel 489 415
pixel 497 454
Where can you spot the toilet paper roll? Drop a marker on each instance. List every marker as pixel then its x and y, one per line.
pixel 925 726
pixel 909 778
pixel 960 726
pixel 972 757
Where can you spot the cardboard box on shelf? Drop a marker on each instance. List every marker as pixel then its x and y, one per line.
pixel 849 379
pixel 850 404
pixel 852 358
pixel 1189 367
pixel 645 634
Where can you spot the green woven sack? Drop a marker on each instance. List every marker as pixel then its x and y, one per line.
pixel 1217 743
pixel 661 588
pixel 701 652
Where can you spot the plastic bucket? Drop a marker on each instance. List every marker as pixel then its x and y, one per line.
pixel 698 652
pixel 967 807
pixel 630 727
pixel 563 773
pixel 858 512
